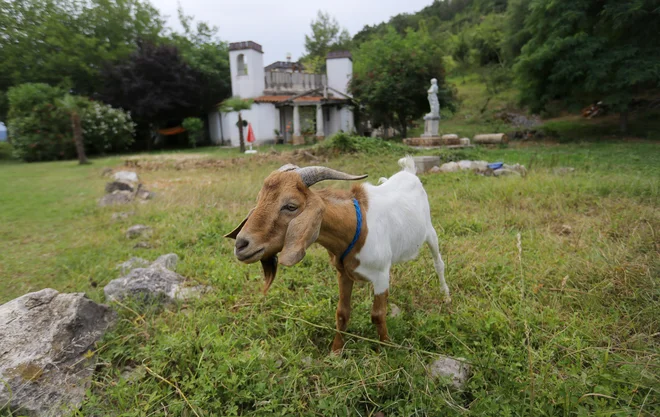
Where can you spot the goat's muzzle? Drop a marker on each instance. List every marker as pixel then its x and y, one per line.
pixel 246 252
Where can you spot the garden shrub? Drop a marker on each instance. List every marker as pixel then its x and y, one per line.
pixel 41 130
pixel 6 151
pixel 106 128
pixel 194 126
pixel 38 128
pixel 342 142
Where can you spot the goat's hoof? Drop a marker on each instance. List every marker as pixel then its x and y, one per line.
pixel 447 299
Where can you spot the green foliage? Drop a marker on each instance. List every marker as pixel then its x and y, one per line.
pixel 39 128
pixel 205 52
pixel 235 104
pixel 584 51
pixel 106 129
pixel 194 126
pixel 342 143
pixel 326 36
pixel 486 39
pixel 52 41
pixel 391 75
pixel 40 124
pixel 6 151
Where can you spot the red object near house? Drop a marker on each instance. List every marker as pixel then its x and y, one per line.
pixel 250 135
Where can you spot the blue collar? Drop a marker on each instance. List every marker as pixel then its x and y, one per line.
pixel 358 214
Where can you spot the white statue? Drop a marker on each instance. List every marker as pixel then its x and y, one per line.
pixel 433 99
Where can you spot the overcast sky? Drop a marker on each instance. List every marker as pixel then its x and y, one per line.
pixel 280 25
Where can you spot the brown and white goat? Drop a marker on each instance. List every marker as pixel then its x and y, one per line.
pixel 365 230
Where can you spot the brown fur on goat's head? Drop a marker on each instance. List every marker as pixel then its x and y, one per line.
pixel 286 220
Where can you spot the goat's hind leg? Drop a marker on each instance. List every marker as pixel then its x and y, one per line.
pixel 432 241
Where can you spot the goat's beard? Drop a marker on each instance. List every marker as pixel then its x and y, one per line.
pixel 270 270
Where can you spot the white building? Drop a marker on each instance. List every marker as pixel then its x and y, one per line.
pixel 296 104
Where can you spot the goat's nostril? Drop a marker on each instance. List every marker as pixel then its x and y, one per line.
pixel 242 244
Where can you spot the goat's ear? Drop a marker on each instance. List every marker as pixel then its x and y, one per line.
pixel 236 231
pixel 302 231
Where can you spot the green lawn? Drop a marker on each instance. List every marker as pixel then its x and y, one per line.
pixel 564 323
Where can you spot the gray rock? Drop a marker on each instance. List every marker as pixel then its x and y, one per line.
pixel 455 371
pixel 145 194
pixel 520 169
pixel 116 198
pixel 154 283
pixel 122 215
pixel 450 167
pixel 435 170
pixel 142 245
pixel 394 310
pixel 504 172
pixel 563 170
pixel 132 263
pixel 465 141
pixel 118 186
pixel 45 337
pixel 168 261
pixel 137 231
pixel 126 176
pixel 106 172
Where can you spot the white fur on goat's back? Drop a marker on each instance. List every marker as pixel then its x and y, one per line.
pixel 408 164
pixel 398 223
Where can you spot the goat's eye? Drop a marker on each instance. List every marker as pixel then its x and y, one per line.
pixel 290 207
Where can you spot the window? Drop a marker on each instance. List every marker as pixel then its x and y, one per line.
pixel 242 68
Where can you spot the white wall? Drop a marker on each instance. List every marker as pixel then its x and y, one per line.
pixel 265 118
pixel 214 128
pixel 250 85
pixel 340 71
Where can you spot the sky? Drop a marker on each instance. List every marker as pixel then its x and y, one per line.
pixel 279 26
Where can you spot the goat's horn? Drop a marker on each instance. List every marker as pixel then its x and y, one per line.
pixel 288 167
pixel 312 175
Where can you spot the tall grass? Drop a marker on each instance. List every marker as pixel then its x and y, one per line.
pixel 553 279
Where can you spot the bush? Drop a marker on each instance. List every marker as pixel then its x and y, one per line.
pixel 38 128
pixel 106 128
pixel 41 129
pixel 6 151
pixel 194 126
pixel 343 142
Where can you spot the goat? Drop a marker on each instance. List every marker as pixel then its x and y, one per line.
pixel 365 231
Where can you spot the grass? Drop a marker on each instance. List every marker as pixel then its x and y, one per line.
pixel 554 282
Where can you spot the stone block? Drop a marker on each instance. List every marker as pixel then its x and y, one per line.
pixel 425 163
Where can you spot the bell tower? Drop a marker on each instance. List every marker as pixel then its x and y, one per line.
pixel 246 65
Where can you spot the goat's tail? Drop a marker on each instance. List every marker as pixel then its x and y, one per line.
pixel 407 163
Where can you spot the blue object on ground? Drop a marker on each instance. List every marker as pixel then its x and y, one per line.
pixel 495 165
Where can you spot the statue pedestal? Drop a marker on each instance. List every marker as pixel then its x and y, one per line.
pixel 431 125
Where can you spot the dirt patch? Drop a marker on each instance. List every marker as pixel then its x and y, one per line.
pixel 191 162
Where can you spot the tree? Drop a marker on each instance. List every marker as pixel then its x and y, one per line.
pixel 326 36
pixel 586 51
pixel 71 105
pixel 65 42
pixel 155 84
pixel 392 73
pixel 208 55
pixel 237 104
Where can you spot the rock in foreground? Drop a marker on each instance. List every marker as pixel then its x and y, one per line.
pixel 157 282
pixel 453 370
pixel 45 337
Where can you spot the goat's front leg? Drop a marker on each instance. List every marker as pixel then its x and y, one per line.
pixel 343 309
pixel 379 315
